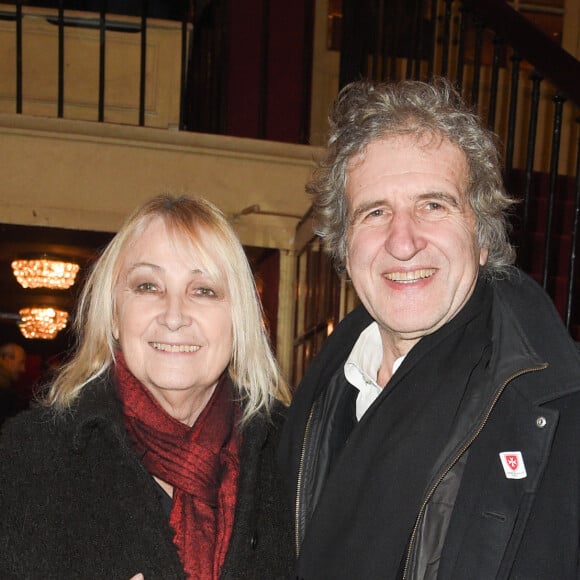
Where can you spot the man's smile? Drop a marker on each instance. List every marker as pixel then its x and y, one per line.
pixel 410 277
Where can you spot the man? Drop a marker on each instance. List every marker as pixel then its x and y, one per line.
pixel 12 365
pixel 436 433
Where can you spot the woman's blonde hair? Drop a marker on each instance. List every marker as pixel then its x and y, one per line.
pixel 252 367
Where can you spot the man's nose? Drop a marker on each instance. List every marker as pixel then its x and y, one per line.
pixel 404 238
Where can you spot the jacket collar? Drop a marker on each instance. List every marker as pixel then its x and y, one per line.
pixel 99 408
pixel 528 332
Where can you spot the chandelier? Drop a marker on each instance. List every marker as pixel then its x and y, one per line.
pixel 45 273
pixel 42 322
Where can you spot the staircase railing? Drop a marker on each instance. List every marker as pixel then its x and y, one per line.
pixel 525 87
pixel 85 62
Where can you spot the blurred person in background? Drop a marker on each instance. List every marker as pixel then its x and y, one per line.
pixel 12 365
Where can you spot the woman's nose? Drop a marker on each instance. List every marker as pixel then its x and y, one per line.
pixel 174 314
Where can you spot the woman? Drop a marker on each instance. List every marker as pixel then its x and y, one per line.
pixel 154 450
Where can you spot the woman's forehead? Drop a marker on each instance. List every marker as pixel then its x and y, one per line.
pixel 197 245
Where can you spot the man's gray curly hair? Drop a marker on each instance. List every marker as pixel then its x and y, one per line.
pixel 364 112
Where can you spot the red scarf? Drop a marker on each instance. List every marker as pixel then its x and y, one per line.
pixel 200 462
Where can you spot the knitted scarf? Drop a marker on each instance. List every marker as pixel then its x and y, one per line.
pixel 200 462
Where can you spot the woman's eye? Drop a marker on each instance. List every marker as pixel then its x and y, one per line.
pixel 205 292
pixel 146 287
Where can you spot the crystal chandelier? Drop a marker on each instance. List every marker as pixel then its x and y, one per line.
pixel 42 322
pixel 45 273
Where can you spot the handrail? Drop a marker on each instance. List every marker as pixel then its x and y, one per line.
pixel 549 59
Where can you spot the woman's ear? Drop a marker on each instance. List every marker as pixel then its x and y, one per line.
pixel 115 328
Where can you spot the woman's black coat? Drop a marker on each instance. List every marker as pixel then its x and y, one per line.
pixel 76 502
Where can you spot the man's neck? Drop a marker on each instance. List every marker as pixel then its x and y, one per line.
pixel 394 348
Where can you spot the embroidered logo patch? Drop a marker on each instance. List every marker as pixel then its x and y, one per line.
pixel 513 464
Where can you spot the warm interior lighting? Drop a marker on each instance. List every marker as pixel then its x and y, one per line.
pixel 41 322
pixel 329 327
pixel 45 273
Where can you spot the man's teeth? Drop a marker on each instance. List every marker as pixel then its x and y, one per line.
pixel 175 347
pixel 408 277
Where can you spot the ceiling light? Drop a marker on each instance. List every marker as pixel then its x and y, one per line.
pixel 41 322
pixel 45 273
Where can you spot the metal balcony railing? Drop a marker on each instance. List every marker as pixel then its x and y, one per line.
pixel 100 63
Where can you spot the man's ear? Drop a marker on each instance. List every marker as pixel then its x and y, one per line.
pixel 347 262
pixel 483 255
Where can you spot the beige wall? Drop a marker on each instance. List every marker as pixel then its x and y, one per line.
pixel 81 68
pixel 83 175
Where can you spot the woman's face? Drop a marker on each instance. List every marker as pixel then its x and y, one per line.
pixel 173 320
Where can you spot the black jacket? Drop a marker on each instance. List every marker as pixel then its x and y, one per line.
pixel 76 502
pixel 474 522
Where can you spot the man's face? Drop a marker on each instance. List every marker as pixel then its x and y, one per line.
pixel 412 252
pixel 13 359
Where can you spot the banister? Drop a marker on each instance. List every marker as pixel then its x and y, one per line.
pixel 530 43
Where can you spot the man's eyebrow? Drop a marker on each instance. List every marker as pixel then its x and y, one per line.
pixel 376 203
pixel 441 195
pixel 364 207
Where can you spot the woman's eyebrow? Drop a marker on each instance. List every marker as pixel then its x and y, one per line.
pixel 137 265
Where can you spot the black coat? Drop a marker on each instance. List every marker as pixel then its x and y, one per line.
pixel 76 502
pixel 526 528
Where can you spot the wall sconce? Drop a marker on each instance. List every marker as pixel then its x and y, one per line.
pixel 45 273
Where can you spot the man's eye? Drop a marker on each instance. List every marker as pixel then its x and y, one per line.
pixel 433 205
pixel 376 213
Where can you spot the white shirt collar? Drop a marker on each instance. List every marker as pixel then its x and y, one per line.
pixel 362 367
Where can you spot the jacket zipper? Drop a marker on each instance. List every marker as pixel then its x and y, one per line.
pixel 456 459
pixel 299 483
